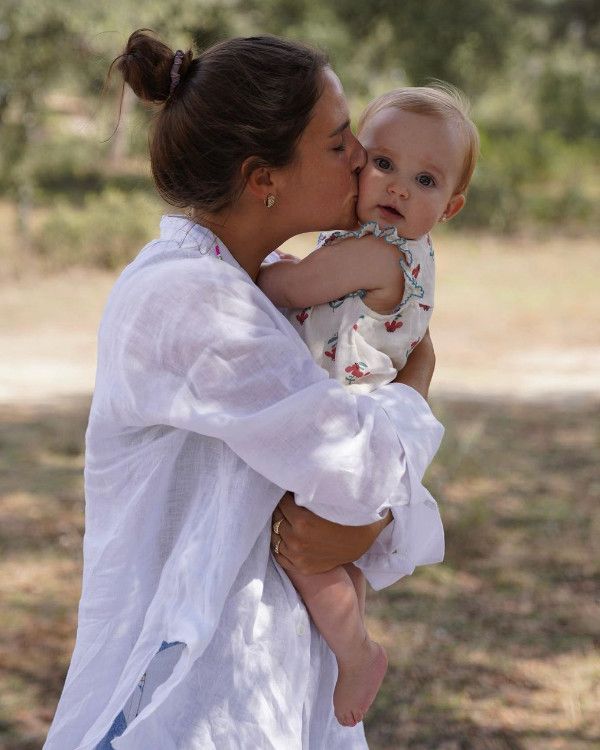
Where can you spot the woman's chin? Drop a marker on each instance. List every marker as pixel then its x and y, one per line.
pixel 349 222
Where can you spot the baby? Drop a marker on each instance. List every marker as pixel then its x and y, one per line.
pixel 362 305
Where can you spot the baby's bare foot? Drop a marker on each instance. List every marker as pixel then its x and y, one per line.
pixel 358 682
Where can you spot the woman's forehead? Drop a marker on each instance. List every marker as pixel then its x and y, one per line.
pixel 331 110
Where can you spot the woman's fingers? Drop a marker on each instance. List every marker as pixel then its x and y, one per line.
pixel 286 256
pixel 285 563
pixel 280 527
pixel 279 530
pixel 286 507
pixel 278 543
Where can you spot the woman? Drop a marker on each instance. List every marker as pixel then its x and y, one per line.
pixel 207 406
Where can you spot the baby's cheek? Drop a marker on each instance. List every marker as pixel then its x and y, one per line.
pixel 365 176
pixel 366 188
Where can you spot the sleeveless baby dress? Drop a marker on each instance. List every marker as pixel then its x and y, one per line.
pixel 359 347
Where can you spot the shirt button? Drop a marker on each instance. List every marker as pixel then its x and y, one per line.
pixel 301 628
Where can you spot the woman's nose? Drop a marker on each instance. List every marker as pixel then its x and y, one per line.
pixel 358 156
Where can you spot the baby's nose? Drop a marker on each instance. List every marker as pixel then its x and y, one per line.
pixel 398 188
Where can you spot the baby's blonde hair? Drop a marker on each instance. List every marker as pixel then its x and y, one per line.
pixel 440 100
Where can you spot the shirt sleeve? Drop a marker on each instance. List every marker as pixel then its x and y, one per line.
pixel 212 355
pixel 416 535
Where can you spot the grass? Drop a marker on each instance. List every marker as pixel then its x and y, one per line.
pixel 41 529
pixel 496 649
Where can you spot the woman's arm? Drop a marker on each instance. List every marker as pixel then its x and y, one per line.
pixel 333 271
pixel 310 544
pixel 418 371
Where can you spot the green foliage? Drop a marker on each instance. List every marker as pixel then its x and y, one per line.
pixel 460 42
pixel 528 177
pixel 66 165
pixel 530 68
pixel 104 232
pixel 74 168
pixel 568 101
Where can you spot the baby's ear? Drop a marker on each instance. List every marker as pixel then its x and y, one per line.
pixel 454 205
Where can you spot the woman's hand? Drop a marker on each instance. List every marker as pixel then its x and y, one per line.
pixel 418 371
pixel 287 256
pixel 310 544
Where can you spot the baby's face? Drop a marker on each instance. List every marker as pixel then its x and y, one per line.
pixel 413 165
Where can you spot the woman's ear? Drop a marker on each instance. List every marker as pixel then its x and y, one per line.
pixel 258 178
pixel 454 205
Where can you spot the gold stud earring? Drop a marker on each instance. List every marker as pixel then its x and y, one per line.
pixel 270 200
pixel 444 218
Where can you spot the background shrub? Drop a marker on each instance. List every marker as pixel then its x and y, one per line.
pixel 106 231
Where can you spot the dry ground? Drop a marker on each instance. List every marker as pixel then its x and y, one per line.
pixel 496 649
pixel 513 318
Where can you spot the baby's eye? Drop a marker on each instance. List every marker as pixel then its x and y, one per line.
pixel 426 180
pixel 382 163
pixel 341 147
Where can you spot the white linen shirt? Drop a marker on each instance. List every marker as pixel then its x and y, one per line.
pixel 208 406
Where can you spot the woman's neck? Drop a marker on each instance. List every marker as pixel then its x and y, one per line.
pixel 248 237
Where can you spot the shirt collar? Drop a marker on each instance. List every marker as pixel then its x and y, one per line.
pixel 186 233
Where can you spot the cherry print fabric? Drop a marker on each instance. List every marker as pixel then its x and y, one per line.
pixel 357 346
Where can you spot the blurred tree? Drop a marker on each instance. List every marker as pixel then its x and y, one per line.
pixel 562 40
pixel 43 44
pixel 462 42
pixel 30 35
pixel 565 19
pixel 529 66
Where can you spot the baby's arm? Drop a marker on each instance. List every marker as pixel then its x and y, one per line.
pixel 335 270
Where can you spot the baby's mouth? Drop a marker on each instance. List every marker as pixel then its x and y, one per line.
pixel 391 210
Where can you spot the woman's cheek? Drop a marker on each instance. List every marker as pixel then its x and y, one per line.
pixel 367 176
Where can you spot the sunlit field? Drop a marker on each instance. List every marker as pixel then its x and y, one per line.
pixel 497 648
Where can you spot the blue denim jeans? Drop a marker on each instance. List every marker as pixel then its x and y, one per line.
pixel 158 670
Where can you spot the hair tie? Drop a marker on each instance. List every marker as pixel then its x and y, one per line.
pixel 175 77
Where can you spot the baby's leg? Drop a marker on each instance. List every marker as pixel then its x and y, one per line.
pixel 360 586
pixel 334 602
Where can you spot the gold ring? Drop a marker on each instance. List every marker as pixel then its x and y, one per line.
pixel 276 526
pixel 276 546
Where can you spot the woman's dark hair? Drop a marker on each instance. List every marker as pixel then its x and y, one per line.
pixel 244 97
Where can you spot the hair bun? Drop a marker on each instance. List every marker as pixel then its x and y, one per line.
pixel 146 66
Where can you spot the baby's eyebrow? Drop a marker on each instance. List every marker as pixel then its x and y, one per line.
pixel 340 128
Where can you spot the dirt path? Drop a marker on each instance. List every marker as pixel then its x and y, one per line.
pixel 510 321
